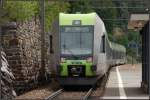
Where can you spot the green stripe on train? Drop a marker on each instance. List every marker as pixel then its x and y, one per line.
pixel 88 71
pixel 86 19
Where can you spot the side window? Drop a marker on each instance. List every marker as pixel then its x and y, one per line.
pixel 103 44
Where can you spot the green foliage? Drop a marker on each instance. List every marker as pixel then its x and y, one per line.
pixel 52 10
pixel 82 6
pixel 24 10
pixel 122 40
pixel 134 36
pixel 20 10
pixel 107 13
pixel 3 19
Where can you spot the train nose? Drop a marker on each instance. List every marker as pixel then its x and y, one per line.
pixel 73 69
pixel 76 70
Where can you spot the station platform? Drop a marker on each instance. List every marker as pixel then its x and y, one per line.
pixel 125 83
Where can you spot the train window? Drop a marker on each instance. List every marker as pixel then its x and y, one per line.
pixel 103 44
pixel 76 22
pixel 69 29
pixel 78 40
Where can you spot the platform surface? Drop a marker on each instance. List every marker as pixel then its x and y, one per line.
pixel 125 83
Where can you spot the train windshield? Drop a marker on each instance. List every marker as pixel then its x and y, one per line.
pixel 76 40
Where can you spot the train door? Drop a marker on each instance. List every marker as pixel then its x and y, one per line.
pixel 102 63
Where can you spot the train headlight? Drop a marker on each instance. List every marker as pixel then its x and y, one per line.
pixel 89 59
pixel 63 60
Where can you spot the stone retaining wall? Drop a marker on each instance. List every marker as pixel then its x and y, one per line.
pixel 22 45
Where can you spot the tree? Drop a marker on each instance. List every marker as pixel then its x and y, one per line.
pixel 106 13
pixel 52 10
pixel 82 6
pixel 20 10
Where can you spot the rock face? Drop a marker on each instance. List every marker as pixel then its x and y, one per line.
pixel 22 45
pixel 7 79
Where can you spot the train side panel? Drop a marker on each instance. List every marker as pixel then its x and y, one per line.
pixel 99 56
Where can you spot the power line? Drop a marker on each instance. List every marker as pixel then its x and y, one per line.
pixel 119 19
pixel 101 0
pixel 78 0
pixel 106 7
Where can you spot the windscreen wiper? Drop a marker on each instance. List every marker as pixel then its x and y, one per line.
pixel 64 46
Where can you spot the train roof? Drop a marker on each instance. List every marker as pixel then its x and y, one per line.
pixel 115 46
pixel 86 19
pixel 118 47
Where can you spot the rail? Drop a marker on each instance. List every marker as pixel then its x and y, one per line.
pixel 88 94
pixel 53 95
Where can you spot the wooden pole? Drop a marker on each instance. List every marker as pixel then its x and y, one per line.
pixel 1 6
pixel 42 23
pixel 149 51
pixel 0 59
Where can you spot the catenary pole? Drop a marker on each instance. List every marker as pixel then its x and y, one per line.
pixel 1 6
pixel 42 23
pixel 149 49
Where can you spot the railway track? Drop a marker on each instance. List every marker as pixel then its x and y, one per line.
pixel 87 95
pixel 57 95
pixel 81 94
pixel 54 95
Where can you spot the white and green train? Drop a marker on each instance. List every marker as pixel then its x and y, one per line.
pixel 81 52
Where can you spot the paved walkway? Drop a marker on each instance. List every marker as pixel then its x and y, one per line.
pixel 124 83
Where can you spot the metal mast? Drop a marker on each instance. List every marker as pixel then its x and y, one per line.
pixel 42 22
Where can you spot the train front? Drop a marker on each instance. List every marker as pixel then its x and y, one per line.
pixel 76 55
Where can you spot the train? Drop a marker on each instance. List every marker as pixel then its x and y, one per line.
pixel 81 52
